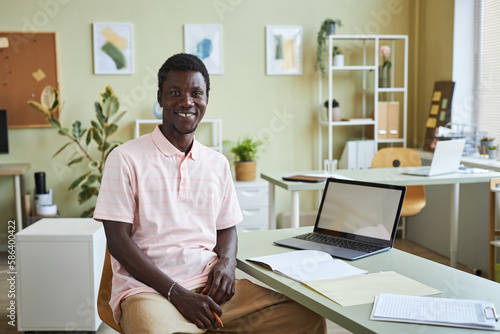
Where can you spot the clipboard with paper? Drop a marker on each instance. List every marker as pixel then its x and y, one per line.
pixel 478 314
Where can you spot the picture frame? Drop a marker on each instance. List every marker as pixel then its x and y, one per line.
pixel 284 50
pixel 205 42
pixel 113 48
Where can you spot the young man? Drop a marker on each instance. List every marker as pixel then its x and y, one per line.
pixel 169 210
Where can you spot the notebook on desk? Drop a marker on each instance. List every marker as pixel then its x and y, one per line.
pixel 446 159
pixel 355 219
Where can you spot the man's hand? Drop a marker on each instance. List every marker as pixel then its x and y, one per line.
pixel 196 308
pixel 220 283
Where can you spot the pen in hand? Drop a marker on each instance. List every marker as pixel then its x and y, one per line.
pixel 217 317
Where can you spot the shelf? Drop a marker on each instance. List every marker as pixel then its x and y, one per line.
pixel 349 123
pixel 367 93
pixel 353 68
pixel 215 123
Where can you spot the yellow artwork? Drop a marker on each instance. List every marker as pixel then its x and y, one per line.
pixel 434 109
pixel 431 122
pixel 288 54
pixel 112 37
pixel 436 96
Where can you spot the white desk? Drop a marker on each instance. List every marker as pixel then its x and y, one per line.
pixel 380 175
pixel 17 171
pixel 454 284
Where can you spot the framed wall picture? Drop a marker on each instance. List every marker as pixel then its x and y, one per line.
pixel 284 50
pixel 205 42
pixel 113 48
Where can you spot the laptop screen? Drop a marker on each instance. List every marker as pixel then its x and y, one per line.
pixel 360 210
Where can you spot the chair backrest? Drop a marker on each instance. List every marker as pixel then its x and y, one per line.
pixel 103 308
pixel 494 231
pixel 396 157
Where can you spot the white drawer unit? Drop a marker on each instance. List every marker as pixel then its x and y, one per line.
pixel 253 197
pixel 59 266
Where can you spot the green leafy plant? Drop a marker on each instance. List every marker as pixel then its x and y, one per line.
pixel 246 149
pixel 336 51
pixel 99 133
pixel 322 50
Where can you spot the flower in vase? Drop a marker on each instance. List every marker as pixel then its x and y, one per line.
pixel 385 52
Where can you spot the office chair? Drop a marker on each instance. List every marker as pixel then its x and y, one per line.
pixel 103 308
pixel 494 231
pixel 415 195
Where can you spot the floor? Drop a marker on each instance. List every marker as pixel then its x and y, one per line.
pixel 404 245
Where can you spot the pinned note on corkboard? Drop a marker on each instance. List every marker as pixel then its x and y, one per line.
pixel 28 63
pixel 439 113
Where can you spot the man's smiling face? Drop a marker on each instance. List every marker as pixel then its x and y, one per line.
pixel 184 99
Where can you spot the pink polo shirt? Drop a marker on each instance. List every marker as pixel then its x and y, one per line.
pixel 176 204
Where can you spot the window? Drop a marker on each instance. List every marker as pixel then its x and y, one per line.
pixel 488 67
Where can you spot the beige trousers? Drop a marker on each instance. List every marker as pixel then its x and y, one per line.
pixel 253 309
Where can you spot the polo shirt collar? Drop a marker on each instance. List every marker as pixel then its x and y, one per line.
pixel 167 148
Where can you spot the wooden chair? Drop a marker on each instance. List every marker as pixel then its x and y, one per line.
pixel 415 195
pixel 494 230
pixel 103 308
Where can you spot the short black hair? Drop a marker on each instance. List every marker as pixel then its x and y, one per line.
pixel 183 62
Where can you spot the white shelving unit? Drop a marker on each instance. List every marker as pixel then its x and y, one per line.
pixel 215 123
pixel 365 68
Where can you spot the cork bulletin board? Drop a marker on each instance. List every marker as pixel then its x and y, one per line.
pixel 439 113
pixel 28 63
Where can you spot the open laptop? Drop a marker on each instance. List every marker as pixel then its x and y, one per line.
pixel 446 159
pixel 355 219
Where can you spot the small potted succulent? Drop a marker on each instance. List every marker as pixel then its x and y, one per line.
pixel 335 110
pixel 486 143
pixel 338 57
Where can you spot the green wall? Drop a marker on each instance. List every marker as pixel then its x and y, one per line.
pixel 244 97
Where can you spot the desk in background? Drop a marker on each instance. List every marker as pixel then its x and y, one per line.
pixel 17 171
pixel 454 283
pixel 380 175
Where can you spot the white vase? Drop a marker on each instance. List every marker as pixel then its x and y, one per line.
pixel 338 60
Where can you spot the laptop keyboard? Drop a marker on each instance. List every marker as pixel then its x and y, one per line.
pixel 343 243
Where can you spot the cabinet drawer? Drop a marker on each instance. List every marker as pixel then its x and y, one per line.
pixel 254 216
pixel 253 196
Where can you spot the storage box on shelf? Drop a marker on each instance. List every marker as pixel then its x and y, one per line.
pixel 253 197
pixel 385 122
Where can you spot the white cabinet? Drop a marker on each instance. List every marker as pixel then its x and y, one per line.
pixel 211 137
pixel 360 92
pixel 59 266
pixel 253 197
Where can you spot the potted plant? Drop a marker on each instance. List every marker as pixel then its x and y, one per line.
pixel 245 154
pixel 486 142
pixel 492 151
pixel 335 110
pixel 106 110
pixel 338 57
pixel 327 28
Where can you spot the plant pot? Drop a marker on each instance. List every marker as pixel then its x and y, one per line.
pixel 331 29
pixel 493 154
pixel 245 170
pixel 485 145
pixel 338 60
pixel 335 114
